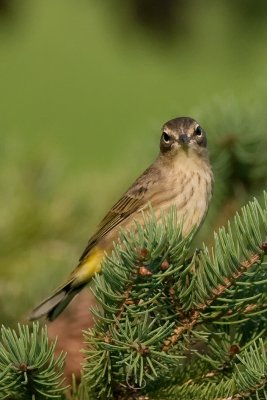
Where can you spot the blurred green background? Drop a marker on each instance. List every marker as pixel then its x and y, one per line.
pixel 84 89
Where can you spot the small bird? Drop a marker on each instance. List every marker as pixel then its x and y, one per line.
pixel 181 175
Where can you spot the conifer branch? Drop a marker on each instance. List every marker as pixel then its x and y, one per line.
pixel 155 306
pixel 30 368
pixel 220 289
pixel 143 300
pixel 189 321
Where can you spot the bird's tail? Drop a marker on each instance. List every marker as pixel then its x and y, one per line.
pixel 57 302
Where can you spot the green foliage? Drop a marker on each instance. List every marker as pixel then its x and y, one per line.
pixel 247 379
pixel 168 325
pixel 28 366
pixel 212 307
pixel 229 260
pixel 138 313
pixel 79 391
pixel 160 310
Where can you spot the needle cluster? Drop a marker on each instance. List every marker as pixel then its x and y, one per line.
pixel 171 323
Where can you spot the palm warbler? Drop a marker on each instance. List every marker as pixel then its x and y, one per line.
pixel 181 176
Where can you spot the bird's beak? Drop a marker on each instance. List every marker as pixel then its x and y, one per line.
pixel 183 139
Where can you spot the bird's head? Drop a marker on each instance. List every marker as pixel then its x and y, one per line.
pixel 183 135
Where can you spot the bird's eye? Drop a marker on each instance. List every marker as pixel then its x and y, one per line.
pixel 198 131
pixel 166 137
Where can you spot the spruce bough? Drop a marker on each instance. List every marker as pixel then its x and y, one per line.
pixel 169 325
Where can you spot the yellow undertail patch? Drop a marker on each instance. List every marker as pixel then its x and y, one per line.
pixel 90 266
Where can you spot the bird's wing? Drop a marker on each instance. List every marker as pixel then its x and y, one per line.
pixel 137 196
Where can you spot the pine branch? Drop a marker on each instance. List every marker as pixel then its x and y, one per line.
pixel 168 326
pixel 128 325
pixel 212 278
pixel 156 305
pixel 195 317
pixel 249 377
pixel 28 367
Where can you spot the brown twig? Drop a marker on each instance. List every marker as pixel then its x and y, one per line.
pixel 126 301
pixel 237 396
pixel 189 321
pixel 210 374
pixel 245 394
pixel 244 266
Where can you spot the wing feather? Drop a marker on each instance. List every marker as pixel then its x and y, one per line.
pixel 136 197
